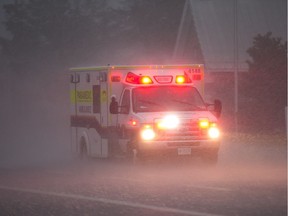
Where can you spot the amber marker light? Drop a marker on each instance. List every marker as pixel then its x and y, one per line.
pixel 204 123
pixel 146 80
pixel 180 79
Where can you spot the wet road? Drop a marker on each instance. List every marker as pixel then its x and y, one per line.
pixel 249 180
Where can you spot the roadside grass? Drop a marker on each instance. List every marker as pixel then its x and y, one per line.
pixel 255 138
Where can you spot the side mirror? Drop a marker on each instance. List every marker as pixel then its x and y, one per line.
pixel 113 106
pixel 217 108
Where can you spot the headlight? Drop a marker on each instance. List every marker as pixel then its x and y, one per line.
pixel 147 133
pixel 213 132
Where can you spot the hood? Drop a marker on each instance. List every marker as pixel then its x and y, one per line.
pixel 149 117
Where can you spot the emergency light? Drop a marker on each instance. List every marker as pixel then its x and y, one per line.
pixel 197 77
pixel 204 123
pixel 145 80
pixel 180 79
pixel 138 79
pixel 135 79
pixel 163 79
pixel 115 78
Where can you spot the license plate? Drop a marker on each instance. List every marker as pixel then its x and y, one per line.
pixel 184 151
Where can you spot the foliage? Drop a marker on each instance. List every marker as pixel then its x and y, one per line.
pixel 155 23
pixel 265 87
pixel 56 32
pixel 72 33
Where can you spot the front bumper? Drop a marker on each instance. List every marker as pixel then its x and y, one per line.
pixel 173 146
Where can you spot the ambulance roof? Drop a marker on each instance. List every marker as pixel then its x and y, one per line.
pixel 127 67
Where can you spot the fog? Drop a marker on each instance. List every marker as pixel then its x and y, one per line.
pixel 40 175
pixel 34 119
pixel 34 112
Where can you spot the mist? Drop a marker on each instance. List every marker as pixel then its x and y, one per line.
pixel 41 40
pixel 34 119
pixel 34 84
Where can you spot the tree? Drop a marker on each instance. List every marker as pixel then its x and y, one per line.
pixel 154 24
pixel 265 86
pixel 72 33
pixel 62 33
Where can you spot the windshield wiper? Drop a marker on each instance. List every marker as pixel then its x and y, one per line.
pixel 146 108
pixel 197 108
pixel 150 102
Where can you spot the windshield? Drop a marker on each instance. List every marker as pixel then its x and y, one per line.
pixel 167 98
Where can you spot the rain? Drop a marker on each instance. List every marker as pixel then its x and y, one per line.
pixel 243 47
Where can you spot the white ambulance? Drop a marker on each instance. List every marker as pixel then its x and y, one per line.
pixel 142 111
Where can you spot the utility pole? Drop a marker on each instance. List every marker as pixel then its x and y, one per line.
pixel 181 29
pixel 236 65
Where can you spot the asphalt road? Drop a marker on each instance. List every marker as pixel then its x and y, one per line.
pixel 249 180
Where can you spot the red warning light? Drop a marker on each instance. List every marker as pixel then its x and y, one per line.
pixel 135 79
pixel 163 79
pixel 197 77
pixel 132 78
pixel 115 78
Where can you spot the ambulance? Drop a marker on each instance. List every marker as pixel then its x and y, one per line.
pixel 142 111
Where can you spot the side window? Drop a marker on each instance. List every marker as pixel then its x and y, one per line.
pixel 125 103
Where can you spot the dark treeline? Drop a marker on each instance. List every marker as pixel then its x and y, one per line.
pixel 48 37
pixel 72 33
pixel 264 90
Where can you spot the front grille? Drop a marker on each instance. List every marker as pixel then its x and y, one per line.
pixel 187 130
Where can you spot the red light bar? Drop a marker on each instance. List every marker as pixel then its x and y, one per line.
pixel 135 79
pixel 197 77
pixel 132 78
pixel 115 78
pixel 163 79
pixel 180 79
pixel 145 80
